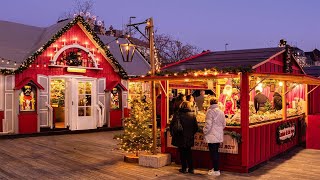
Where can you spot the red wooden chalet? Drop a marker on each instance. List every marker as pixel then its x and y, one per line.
pixel 61 77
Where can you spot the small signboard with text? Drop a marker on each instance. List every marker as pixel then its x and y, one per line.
pixel 286 132
pixel 229 145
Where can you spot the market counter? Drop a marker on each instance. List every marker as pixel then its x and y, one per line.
pixel 265 141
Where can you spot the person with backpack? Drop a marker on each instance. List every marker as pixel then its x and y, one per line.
pixel 213 134
pixel 183 127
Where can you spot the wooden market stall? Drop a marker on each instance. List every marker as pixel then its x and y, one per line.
pixel 251 137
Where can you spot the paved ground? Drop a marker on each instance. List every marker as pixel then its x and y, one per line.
pixel 92 156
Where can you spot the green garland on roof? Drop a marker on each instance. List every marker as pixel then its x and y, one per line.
pixel 34 56
pixel 232 70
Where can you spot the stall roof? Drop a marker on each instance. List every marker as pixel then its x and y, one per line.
pixel 19 41
pixel 224 59
pixel 312 71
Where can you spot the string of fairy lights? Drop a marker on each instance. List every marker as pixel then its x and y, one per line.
pixel 7 61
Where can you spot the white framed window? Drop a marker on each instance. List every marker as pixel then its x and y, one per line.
pixel 1 92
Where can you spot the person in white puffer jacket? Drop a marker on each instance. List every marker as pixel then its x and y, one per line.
pixel 213 133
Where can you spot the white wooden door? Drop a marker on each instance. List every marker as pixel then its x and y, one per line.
pixel 84 104
pixel 9 116
pixel 45 116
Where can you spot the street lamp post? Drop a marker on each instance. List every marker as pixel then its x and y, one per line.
pixel 131 17
pixel 150 30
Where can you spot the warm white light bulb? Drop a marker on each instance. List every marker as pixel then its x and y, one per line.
pixel 280 83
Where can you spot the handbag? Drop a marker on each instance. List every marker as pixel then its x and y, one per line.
pixel 176 128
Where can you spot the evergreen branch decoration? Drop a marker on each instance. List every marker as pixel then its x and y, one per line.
pixel 55 37
pixel 288 60
pixel 231 70
pixel 234 135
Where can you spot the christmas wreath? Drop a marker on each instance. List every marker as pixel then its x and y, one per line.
pixel 74 59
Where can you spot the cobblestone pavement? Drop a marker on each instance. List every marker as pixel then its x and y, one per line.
pixel 93 156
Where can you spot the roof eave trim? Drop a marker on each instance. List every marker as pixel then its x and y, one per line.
pixel 186 59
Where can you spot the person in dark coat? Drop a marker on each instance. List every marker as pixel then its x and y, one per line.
pixel 277 101
pixel 185 140
pixel 260 101
pixel 177 102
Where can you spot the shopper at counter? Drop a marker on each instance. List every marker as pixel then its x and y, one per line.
pixel 213 134
pixel 193 104
pixel 185 140
pixel 177 102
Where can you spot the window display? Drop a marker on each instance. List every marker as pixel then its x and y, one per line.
pixel 84 98
pixel 57 92
pixel 27 98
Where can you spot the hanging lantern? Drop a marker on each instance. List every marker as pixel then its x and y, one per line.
pixel 127 51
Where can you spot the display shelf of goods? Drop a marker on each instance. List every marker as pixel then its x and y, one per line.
pixel 294 112
pixel 201 117
pixel 234 120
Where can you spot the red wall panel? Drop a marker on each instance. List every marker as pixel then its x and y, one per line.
pixel 263 142
pixel 28 122
pixel 126 112
pixel 313 130
pixel 313 99
pixel 115 118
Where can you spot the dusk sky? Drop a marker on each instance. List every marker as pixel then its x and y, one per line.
pixel 207 24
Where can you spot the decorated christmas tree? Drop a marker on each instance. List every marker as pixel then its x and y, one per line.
pixel 137 135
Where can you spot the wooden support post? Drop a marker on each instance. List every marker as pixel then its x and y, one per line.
pixel 284 100
pixel 306 105
pixel 217 90
pixel 164 113
pixel 244 86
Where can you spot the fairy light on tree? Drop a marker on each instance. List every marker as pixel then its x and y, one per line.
pixel 137 135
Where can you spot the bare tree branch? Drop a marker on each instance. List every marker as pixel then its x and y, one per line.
pixel 79 6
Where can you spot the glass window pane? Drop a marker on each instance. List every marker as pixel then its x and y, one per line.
pixel 88 111
pixel 82 100
pixel 81 88
pixel 81 111
pixel 88 87
pixel 88 100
